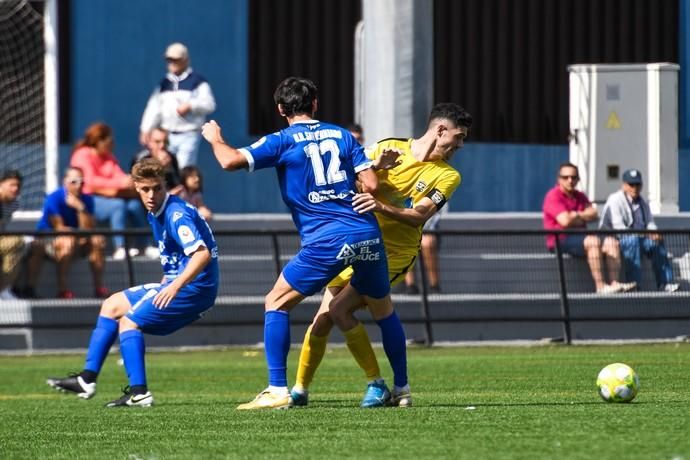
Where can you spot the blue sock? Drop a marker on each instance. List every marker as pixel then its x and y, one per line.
pixel 132 349
pixel 394 344
pixel 277 344
pixel 102 339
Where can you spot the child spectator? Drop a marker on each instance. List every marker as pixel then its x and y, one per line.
pixel 192 188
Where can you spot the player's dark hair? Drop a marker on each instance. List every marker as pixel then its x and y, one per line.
pixel 451 111
pixel 191 171
pixel 148 168
pixel 355 128
pixel 11 174
pixel 568 164
pixel 295 95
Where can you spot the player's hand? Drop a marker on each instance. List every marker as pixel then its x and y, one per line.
pixel 364 202
pixel 211 132
pixel 388 159
pixel 165 296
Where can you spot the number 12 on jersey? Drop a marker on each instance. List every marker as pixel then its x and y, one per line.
pixel 315 151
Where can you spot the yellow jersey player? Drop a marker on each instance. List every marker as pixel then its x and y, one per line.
pixel 409 193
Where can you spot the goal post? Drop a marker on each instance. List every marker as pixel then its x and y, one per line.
pixel 29 96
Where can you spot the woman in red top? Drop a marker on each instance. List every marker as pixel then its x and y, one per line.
pixel 114 196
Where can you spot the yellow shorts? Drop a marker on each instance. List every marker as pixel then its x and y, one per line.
pixel 398 265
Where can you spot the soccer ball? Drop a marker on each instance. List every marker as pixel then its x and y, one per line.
pixel 618 382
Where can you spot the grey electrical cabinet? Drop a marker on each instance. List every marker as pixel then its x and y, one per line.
pixel 626 116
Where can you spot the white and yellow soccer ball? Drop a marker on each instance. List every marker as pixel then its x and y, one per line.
pixel 618 382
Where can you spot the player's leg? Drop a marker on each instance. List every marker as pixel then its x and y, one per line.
pixel 313 349
pixel 392 332
pixel 342 309
pixel 394 345
pixel 102 338
pixel 146 317
pixel 282 298
pixel 133 350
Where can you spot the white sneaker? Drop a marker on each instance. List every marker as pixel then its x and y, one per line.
pixel 610 289
pixel 626 287
pixel 401 397
pixel 670 287
pixel 152 252
pixel 120 254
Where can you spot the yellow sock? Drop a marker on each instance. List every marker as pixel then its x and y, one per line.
pixel 313 349
pixel 358 342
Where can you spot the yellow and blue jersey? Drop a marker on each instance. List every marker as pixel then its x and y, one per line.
pixel 404 186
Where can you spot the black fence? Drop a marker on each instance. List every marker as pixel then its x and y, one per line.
pixel 485 277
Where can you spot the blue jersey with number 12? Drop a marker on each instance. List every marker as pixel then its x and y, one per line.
pixel 317 165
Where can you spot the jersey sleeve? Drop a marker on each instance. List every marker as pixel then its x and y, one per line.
pixel 184 229
pixel 360 161
pixel 264 153
pixel 445 188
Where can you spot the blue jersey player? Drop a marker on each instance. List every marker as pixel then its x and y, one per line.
pixel 318 165
pixel 189 257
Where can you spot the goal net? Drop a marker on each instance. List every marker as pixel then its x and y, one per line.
pixel 22 99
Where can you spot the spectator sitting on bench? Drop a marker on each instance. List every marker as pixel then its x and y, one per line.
pixel 11 246
pixel 157 147
pixel 627 209
pixel 67 209
pixel 112 189
pixel 567 208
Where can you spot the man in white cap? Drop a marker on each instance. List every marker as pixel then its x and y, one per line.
pixel 179 104
pixel 627 209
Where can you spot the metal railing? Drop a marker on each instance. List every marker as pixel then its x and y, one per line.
pixel 486 276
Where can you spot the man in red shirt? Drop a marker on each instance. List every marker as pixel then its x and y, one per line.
pixel 564 207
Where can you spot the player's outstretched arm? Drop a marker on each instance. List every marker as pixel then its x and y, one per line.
pixel 200 258
pixel 229 157
pixel 366 202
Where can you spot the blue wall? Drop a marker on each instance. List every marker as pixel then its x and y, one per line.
pixel 116 58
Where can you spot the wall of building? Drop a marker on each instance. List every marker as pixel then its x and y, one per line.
pixel 115 59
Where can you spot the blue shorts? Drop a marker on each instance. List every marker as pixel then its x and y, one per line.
pixel 319 262
pixel 573 245
pixel 185 308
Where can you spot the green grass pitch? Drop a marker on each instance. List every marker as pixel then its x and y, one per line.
pixel 470 402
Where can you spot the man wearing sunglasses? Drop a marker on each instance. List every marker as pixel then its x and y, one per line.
pixel 65 210
pixel 567 208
